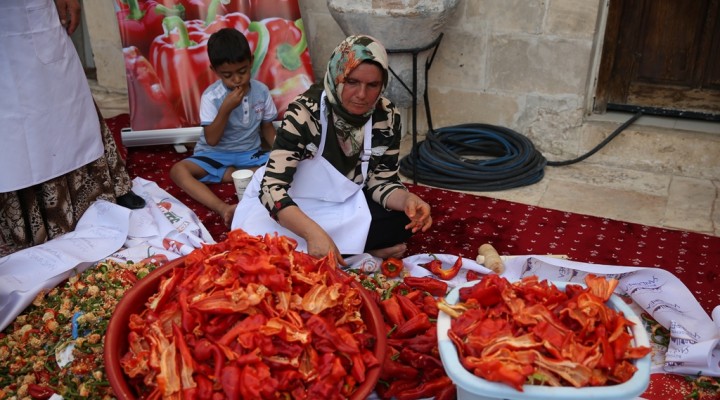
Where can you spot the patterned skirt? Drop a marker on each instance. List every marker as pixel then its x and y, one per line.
pixel 42 212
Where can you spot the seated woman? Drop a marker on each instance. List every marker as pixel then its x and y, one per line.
pixel 332 181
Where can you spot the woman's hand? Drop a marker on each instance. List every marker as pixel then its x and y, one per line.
pixel 413 206
pixel 419 213
pixel 319 243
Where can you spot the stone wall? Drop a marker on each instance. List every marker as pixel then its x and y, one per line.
pixel 528 65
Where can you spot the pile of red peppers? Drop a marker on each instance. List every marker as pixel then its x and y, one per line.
pixel 529 331
pixel 252 318
pixel 165 50
pixel 412 368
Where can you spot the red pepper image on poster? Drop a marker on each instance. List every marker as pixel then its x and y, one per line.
pixel 198 9
pixel 151 108
pixel 238 21
pixel 180 59
pixel 286 9
pixel 172 35
pixel 241 6
pixel 284 59
pixel 140 22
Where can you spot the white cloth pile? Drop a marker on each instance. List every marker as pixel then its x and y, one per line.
pixel 165 229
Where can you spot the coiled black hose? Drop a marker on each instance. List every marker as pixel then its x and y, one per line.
pixel 482 157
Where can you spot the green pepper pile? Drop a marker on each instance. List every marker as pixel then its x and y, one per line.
pixel 65 325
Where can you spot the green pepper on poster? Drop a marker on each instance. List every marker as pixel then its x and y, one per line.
pixel 180 59
pixel 151 108
pixel 141 21
pixel 283 58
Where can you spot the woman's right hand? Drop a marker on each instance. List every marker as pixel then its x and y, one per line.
pixel 320 244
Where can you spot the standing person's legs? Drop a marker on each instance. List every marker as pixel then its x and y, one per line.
pixel 116 169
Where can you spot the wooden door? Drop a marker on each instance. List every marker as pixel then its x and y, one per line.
pixel 662 56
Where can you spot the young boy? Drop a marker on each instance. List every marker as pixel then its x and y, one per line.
pixel 234 112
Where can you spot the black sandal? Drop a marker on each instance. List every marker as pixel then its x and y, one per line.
pixel 131 200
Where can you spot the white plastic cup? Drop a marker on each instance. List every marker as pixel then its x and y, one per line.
pixel 241 178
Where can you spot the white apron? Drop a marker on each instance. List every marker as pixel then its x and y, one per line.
pixel 48 122
pixel 330 199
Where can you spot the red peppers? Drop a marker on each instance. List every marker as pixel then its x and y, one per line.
pixel 435 266
pixel 391 267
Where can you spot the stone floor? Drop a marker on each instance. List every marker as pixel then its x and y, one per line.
pixel 653 199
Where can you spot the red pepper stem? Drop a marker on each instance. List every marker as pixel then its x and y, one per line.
pixel 289 55
pixel 135 13
pixel 174 22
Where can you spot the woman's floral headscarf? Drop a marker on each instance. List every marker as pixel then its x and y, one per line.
pixel 345 58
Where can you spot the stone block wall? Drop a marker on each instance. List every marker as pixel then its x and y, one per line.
pixel 528 65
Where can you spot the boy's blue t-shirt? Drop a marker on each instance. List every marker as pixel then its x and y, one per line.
pixel 242 132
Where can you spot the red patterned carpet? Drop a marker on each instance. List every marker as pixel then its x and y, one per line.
pixel 464 222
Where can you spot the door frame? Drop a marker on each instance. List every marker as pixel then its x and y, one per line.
pixel 597 57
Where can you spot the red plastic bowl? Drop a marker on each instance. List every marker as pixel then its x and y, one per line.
pixel 134 300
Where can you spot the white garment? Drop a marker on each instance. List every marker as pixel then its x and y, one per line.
pixel 325 195
pixel 48 122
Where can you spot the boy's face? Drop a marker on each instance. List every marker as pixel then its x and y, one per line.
pixel 234 75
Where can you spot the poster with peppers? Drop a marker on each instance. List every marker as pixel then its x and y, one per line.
pixel 165 50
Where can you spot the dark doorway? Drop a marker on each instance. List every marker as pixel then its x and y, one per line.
pixel 662 56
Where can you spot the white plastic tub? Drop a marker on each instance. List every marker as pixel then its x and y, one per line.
pixel 473 387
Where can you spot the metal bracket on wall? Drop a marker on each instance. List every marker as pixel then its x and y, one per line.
pixel 413 92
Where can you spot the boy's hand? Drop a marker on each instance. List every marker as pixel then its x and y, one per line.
pixel 234 98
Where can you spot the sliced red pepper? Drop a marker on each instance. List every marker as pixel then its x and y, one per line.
pixel 326 330
pixel 392 311
pixel 397 386
pixel 395 370
pixel 473 276
pixel 358 368
pixel 436 268
pixel 391 267
pixel 421 361
pixel 447 393
pixel 417 324
pixel 141 22
pixel 181 62
pixel 431 285
pixel 187 366
pixel 204 350
pixel 429 306
pixel 425 343
pixel 233 378
pixel 426 389
pixel 409 309
pixel 435 263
